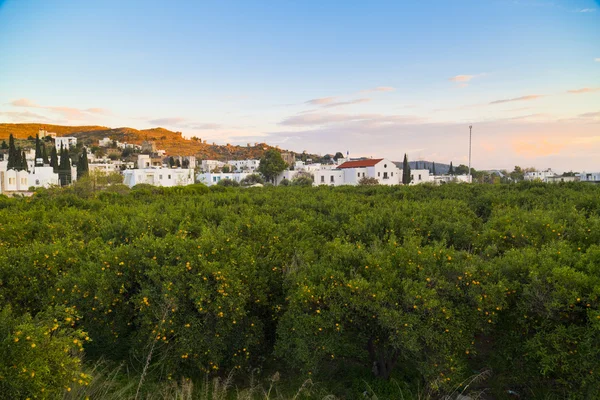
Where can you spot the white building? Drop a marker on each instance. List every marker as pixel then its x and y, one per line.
pixel 439 179
pixel 20 181
pixel 43 177
pixel 331 177
pixel 212 178
pixel 65 141
pixel 591 177
pixel 245 165
pixel 418 176
pixel 167 177
pixel 211 165
pixel 106 168
pixel 106 142
pixel 539 175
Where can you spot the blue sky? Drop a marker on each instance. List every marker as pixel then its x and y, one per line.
pixel 376 78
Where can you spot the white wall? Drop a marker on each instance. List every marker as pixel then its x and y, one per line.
pixel 167 177
pixel 212 178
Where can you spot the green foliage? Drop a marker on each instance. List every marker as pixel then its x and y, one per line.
pixel 271 164
pixel 252 179
pixel 356 287
pixel 40 357
pixel 302 179
pixel 228 183
pixel 367 180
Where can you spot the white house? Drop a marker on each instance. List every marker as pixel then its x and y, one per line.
pixel 212 178
pixel 245 165
pixel 541 175
pixel 211 165
pixel 104 167
pixel 382 169
pixel 418 176
pixel 43 176
pixel 106 142
pixel 439 179
pixel 65 141
pixel 19 181
pixel 591 177
pixel 159 176
pixel 331 177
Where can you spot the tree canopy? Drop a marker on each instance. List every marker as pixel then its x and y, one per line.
pixel 271 164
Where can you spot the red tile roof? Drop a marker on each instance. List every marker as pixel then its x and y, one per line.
pixel 360 163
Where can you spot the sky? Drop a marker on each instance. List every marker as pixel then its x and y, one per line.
pixel 372 78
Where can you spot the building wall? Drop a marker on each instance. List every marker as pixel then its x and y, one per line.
pixel 166 177
pixel 330 177
pixel 212 178
pixel 65 141
pixel 590 177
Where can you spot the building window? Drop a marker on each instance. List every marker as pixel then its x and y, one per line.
pixel 385 175
pixel 37 181
pixel 331 178
pixel 214 178
pixel 11 181
pixel 384 165
pixel 169 176
pixel 363 174
pixel 160 177
pixel 322 178
pixel 419 176
pixel 379 174
pixel 392 174
pixel 358 174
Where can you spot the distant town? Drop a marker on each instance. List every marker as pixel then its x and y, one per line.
pixel 53 160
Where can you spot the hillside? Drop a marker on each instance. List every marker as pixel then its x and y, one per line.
pixel 172 142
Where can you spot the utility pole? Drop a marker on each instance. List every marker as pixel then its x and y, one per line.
pixel 470 176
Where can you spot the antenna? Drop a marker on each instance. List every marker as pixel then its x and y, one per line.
pixel 470 132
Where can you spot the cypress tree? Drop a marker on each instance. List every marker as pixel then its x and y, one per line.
pixel 405 171
pixel 38 148
pixel 24 166
pixel 433 169
pixel 44 155
pixel 54 159
pixel 82 164
pixel 4 145
pixel 64 170
pixel 12 153
pixel 451 170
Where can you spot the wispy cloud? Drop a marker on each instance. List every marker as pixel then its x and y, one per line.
pixel 461 78
pixel 379 89
pixel 522 98
pixel 346 103
pixel 167 121
pixel 316 119
pixel 590 115
pixel 583 90
pixel 321 101
pixel 67 112
pixel 23 103
pixel 206 126
pixel 586 10
pixel 24 115
pixel 183 123
pixel 464 80
pixel 597 59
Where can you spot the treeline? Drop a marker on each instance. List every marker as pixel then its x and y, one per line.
pixel 398 289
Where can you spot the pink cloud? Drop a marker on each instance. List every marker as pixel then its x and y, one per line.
pixel 462 78
pixel 536 148
pixel 379 89
pixel 23 103
pixel 522 98
pixel 321 101
pixel 584 90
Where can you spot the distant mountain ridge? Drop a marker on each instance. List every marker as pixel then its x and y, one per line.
pixel 172 142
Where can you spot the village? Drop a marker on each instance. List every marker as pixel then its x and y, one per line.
pixel 51 163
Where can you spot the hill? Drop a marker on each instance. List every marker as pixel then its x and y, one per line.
pixel 172 142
